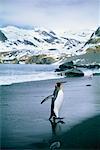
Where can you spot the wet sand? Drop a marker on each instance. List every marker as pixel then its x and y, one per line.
pixel 25 124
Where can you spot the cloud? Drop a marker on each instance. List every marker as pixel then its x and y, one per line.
pixel 54 14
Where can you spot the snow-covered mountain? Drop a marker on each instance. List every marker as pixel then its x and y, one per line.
pixel 82 35
pixel 91 57
pixel 16 42
pixel 93 42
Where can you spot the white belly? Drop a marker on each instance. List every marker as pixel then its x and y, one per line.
pixel 58 102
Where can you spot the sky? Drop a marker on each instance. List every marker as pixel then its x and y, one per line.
pixel 58 15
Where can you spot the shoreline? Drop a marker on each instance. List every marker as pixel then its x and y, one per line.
pixel 25 123
pixel 11 74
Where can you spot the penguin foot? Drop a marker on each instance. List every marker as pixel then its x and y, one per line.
pixel 62 122
pixel 59 118
pixel 52 118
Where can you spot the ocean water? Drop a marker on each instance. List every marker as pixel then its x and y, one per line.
pixel 17 73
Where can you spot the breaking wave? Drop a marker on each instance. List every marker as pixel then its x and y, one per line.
pixel 15 73
pixel 7 80
pixel 10 74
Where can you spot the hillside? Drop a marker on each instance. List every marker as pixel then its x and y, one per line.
pixel 93 44
pixel 91 49
pixel 91 58
pixel 25 46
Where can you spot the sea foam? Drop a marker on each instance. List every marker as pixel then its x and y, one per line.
pixel 8 80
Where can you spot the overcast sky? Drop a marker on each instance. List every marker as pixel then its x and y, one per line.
pixel 57 15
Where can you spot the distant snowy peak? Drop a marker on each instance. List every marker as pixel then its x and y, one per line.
pixel 39 41
pixel 35 36
pixel 82 35
pixel 13 33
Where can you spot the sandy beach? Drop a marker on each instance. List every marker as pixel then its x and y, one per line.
pixel 25 124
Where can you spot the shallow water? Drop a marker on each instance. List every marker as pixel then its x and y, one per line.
pixel 16 73
pixel 24 121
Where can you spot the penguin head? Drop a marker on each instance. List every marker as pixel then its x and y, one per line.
pixel 58 84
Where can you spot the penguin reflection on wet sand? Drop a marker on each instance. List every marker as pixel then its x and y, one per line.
pixel 57 100
pixel 55 142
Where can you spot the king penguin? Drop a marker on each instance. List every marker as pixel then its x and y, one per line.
pixel 57 101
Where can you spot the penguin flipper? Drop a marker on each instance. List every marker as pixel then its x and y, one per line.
pixel 48 97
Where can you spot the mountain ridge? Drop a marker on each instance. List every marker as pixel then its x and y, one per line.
pixel 40 41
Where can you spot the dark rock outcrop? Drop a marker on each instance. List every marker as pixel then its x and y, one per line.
pixel 91 66
pixel 67 65
pixel 69 69
pixel 3 38
pixel 74 72
pixel 97 32
pixel 26 42
pixel 95 37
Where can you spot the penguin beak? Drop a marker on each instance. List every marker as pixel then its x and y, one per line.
pixel 63 82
